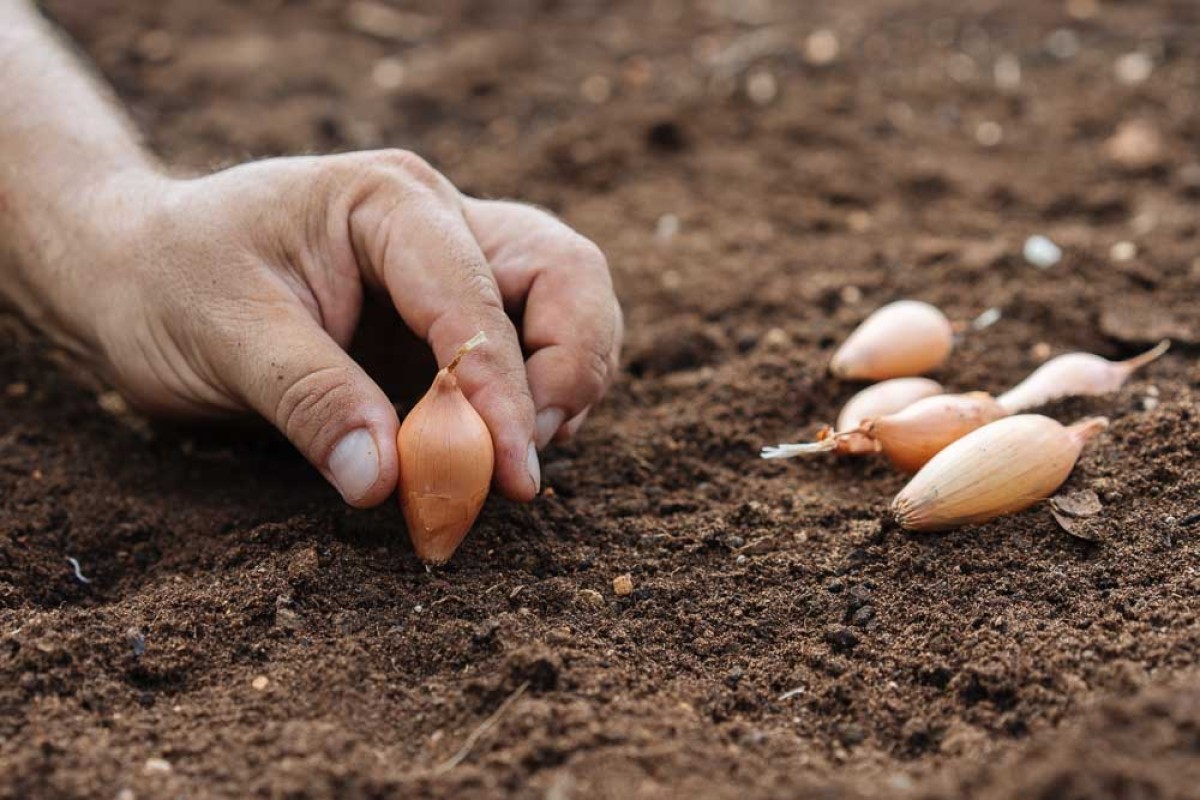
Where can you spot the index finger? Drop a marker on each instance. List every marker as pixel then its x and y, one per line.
pixel 441 285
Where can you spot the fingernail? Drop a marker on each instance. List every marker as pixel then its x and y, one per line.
pixel 354 464
pixel 535 469
pixel 548 422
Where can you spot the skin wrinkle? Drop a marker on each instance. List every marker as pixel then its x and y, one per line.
pixel 299 397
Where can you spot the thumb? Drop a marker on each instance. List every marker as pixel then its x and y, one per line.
pixel 301 380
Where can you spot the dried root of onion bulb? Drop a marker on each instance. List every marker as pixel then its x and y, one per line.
pixel 1075 374
pixel 1001 468
pixel 446 461
pixel 904 338
pixel 912 436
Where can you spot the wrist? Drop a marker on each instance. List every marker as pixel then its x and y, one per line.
pixel 72 249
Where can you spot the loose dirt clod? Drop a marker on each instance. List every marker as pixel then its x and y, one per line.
pixel 623 585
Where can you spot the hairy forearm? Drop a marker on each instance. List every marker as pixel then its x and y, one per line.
pixel 66 151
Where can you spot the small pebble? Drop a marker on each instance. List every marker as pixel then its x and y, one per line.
pixel 156 766
pixel 591 597
pixel 1041 252
pixel 623 585
pixel 858 221
pixel 776 339
pixel 1135 145
pixel 666 228
pixel 851 295
pixel 596 89
pixel 1040 351
pixel 1007 72
pixel 113 403
pixel 989 134
pixel 987 318
pixel 821 47
pixel 761 87
pixel 1123 251
pixel 1133 68
pixel 1063 44
pixel 388 73
pixel 260 683
pixel 740 560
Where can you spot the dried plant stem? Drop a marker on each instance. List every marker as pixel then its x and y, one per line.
pixel 484 726
pixel 470 345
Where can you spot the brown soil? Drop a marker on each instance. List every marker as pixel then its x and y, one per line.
pixel 779 641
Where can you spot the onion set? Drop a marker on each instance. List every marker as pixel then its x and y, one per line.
pixel 901 339
pixel 975 457
pixel 1075 374
pixel 1001 468
pixel 446 461
pixel 911 436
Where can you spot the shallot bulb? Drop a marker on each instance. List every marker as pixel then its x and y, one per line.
pixel 999 469
pixel 446 461
pixel 877 400
pixel 913 435
pixel 904 338
pixel 1075 374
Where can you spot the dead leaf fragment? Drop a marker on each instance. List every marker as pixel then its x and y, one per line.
pixel 1074 513
pixel 1083 503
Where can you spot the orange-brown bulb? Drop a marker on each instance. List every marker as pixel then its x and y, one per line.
pixel 446 462
pixel 912 436
pixel 909 437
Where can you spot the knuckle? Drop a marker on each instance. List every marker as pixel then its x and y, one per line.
pixel 312 405
pixel 592 370
pixel 586 254
pixel 412 168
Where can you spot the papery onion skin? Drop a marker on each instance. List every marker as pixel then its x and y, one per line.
pixel 999 469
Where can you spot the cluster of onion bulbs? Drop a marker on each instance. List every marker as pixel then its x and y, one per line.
pixel 975 457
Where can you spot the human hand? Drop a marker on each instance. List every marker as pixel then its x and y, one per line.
pixel 241 290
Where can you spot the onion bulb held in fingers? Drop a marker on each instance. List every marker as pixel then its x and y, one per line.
pixel 1001 468
pixel 904 338
pixel 446 461
pixel 913 435
pixel 1075 374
